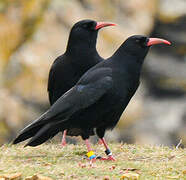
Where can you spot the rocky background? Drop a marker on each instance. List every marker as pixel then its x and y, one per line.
pixel 33 33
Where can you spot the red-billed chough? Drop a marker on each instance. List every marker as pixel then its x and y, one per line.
pixel 98 99
pixel 80 55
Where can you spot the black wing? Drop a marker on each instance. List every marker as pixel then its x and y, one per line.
pixel 92 86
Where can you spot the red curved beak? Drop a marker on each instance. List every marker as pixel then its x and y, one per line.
pixel 153 41
pixel 100 25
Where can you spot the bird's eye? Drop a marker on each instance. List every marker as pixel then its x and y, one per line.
pixel 141 41
pixel 137 40
pixel 88 25
pixel 85 25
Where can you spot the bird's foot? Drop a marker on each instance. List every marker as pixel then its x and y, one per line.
pixel 109 158
pixel 63 143
pixel 92 157
pixel 92 161
pixel 100 142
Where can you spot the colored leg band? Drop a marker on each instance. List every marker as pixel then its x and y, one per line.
pixel 108 152
pixel 91 155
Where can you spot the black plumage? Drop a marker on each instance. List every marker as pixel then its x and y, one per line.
pixel 100 96
pixel 80 55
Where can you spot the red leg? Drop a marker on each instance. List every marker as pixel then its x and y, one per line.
pixel 88 145
pixel 63 142
pixel 90 153
pixel 107 151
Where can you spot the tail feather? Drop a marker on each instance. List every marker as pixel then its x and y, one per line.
pixel 47 132
pixel 26 135
pixel 30 130
pixel 39 121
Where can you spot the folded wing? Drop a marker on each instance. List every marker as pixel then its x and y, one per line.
pixel 92 86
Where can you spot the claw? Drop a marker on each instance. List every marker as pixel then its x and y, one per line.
pixel 92 161
pixel 63 143
pixel 109 158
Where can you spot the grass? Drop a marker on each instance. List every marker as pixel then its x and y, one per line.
pixel 149 162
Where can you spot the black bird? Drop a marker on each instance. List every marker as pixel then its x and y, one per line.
pixel 98 99
pixel 80 55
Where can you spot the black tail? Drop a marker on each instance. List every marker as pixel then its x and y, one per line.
pixel 47 132
pixel 30 130
pixel 26 135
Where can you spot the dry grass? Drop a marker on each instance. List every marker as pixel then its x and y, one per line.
pixel 150 162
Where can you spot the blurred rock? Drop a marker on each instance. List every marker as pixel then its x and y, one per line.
pixel 165 96
pixel 18 20
pixel 13 114
pixel 181 131
pixel 162 122
pixel 34 33
pixel 170 11
pixel 165 76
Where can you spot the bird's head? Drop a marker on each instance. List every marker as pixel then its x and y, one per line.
pixel 138 45
pixel 90 25
pixel 85 32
